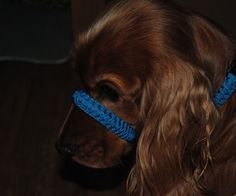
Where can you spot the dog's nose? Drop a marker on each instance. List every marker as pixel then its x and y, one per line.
pixel 65 149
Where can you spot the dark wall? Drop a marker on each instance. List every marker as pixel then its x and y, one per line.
pixel 45 33
pixel 221 11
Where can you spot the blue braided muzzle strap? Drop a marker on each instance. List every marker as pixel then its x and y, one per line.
pixel 226 90
pixel 104 116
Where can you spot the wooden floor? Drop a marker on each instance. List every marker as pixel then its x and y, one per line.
pixel 33 103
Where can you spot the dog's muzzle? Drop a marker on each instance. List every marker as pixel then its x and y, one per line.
pixel 99 113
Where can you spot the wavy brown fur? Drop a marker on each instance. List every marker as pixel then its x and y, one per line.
pixel 179 59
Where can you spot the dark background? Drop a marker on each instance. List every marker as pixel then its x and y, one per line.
pixel 35 95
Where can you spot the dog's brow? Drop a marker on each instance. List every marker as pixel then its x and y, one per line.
pixel 116 79
pixel 126 86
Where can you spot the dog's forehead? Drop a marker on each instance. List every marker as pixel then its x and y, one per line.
pixel 102 61
pixel 99 60
pixel 118 76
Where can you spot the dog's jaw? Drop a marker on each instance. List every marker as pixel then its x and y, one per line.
pixel 102 154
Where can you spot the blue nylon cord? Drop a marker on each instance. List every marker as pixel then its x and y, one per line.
pixel 226 90
pixel 104 116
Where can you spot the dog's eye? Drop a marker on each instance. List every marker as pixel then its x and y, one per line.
pixel 107 92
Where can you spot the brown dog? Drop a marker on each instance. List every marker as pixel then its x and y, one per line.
pixel 157 67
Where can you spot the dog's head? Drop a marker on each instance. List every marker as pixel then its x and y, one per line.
pixel 113 60
pixel 149 64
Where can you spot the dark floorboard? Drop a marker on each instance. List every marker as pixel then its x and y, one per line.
pixel 33 102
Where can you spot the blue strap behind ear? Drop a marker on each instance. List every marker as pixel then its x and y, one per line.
pixel 226 90
pixel 104 116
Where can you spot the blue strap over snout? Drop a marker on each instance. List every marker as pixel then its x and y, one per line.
pixel 104 116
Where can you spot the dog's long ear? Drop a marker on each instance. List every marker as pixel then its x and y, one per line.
pixel 179 116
